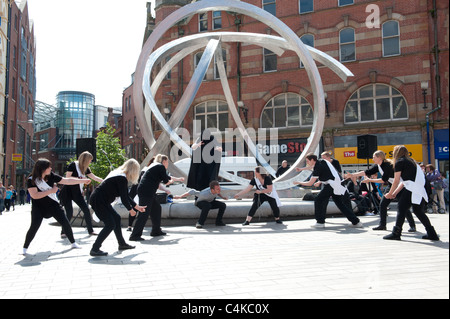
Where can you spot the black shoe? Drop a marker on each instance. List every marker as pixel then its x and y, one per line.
pixel 126 246
pixel 136 239
pixel 98 253
pixel 278 221
pixel 379 228
pixel 431 234
pixel 221 223
pixel 395 235
pixel 159 233
pixel 246 223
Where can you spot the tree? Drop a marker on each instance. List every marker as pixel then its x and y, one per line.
pixel 110 153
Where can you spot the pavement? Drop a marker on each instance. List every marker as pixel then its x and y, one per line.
pixel 263 261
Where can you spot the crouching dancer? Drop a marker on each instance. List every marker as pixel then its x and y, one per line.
pixel 328 175
pixel 114 185
pixel 44 202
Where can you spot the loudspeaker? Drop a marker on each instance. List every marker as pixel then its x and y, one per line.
pixel 367 145
pixel 87 144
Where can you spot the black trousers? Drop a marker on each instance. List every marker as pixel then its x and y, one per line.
pixel 112 220
pixel 259 199
pixel 207 206
pixel 153 211
pixel 79 200
pixel 384 204
pixel 36 221
pixel 321 204
pixel 404 206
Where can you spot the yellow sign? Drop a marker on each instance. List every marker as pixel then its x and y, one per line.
pixel 348 155
pixel 17 158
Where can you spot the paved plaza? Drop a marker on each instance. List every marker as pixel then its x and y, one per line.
pixel 262 261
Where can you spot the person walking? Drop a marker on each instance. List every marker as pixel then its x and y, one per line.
pixel 206 200
pixel 69 193
pixel 44 202
pixel 265 192
pixel 409 188
pixel 324 172
pixel 438 184
pixel 385 167
pixel 114 185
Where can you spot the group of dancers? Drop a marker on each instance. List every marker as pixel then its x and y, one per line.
pixel 405 180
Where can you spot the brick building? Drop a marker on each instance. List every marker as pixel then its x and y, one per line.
pixel 399 91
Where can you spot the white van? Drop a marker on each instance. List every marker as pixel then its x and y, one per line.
pixel 237 165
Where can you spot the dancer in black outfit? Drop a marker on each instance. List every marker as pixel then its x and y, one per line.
pixel 386 169
pixel 146 191
pixel 265 192
pixel 409 188
pixel 79 169
pixel 44 204
pixel 325 173
pixel 114 185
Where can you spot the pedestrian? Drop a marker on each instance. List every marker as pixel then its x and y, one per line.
pixel 385 167
pixel 69 193
pixel 265 192
pixel 206 200
pixel 282 169
pixel 409 188
pixel 437 182
pixel 324 172
pixel 8 198
pixel 14 197
pixel 44 203
pixel 114 185
pixel 22 194
pixel 146 191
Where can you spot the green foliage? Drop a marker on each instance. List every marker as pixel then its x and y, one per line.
pixel 110 154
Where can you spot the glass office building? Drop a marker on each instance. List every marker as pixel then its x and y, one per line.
pixel 75 119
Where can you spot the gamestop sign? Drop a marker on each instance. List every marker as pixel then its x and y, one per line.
pixel 288 149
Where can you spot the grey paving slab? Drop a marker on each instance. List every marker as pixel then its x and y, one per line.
pixel 261 261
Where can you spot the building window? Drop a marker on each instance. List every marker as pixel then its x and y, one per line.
pixel 287 110
pixel 391 38
pixel 217 20
pixel 203 22
pixel 216 70
pixel 307 39
pixel 306 6
pixel 374 103
pixel 212 114
pixel 197 59
pixel 347 45
pixel 342 3
pixel 270 61
pixel 270 6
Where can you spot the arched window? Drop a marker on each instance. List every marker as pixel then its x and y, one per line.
pixel 375 103
pixel 287 110
pixel 347 45
pixel 212 114
pixel 391 38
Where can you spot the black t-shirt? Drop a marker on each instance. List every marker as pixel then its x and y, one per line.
pixel 151 179
pixel 388 171
pixel 72 168
pixel 322 171
pixel 267 181
pixel 407 167
pixel 46 203
pixel 113 187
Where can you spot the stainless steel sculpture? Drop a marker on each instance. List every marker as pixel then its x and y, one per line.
pixel 182 47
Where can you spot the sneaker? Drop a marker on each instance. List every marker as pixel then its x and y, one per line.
pixel 359 225
pixel 98 253
pixel 246 223
pixel 75 246
pixel 126 246
pixel 318 225
pixel 379 228
pixel 198 225
pixel 278 221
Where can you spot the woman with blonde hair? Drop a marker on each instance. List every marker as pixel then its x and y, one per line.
pixel 385 167
pixel 114 185
pixel 69 193
pixel 409 188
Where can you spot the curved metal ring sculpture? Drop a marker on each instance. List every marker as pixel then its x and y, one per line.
pixel 212 41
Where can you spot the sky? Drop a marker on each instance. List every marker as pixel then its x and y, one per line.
pixel 87 45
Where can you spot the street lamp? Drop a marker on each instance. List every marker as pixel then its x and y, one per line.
pixel 424 87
